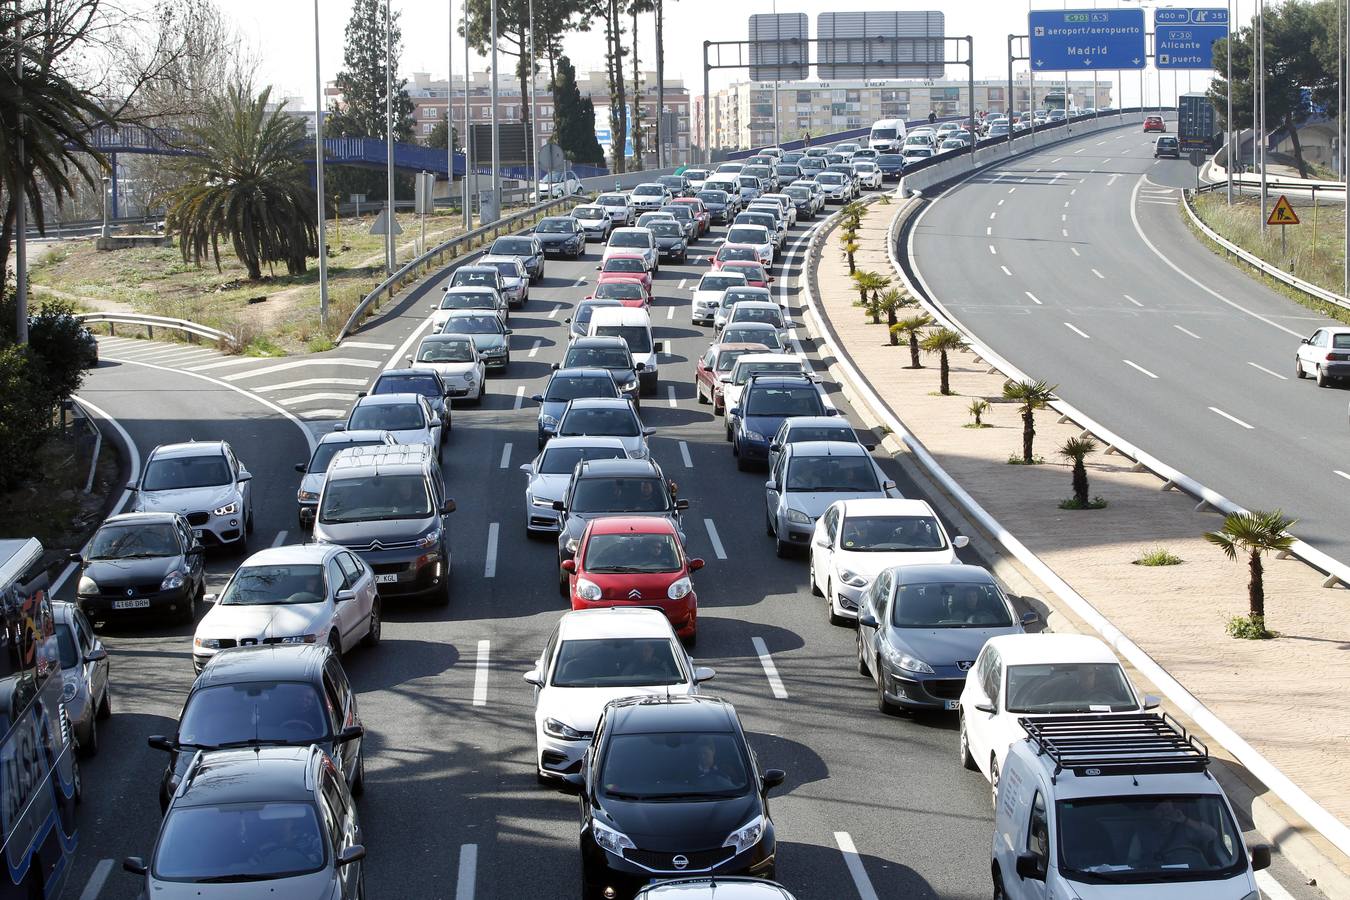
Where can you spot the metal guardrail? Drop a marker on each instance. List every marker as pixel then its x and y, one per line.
pixel 1261 265
pixel 150 323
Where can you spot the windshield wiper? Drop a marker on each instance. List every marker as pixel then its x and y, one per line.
pixel 623 795
pixel 242 876
pixel 698 795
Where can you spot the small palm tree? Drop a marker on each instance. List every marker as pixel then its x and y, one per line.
pixel 1074 450
pixel 891 302
pixel 910 327
pixel 1031 395
pixel 944 341
pixel 977 409
pixel 248 184
pixel 853 213
pixel 1255 534
pixel 870 283
pixel 850 248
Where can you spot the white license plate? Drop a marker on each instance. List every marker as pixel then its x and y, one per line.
pixel 386 579
pixel 140 603
pixel 196 532
pixel 951 704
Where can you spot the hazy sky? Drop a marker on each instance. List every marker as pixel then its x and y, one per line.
pixel 283 32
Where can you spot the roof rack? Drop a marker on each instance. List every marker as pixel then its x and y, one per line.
pixel 1116 744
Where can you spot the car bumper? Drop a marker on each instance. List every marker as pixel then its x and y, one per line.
pixel 682 614
pixel 563 249
pixel 415 571
pixel 497 361
pixel 846 600
pixel 673 253
pixel 915 691
pixel 1335 369
pixel 542 520
pixel 557 758
pixel 157 603
pixel 796 532
pixel 626 876
pixel 214 529
pixel 458 390
pixel 756 450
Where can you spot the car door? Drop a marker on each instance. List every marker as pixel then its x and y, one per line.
pixel 338 692
pixel 705 371
pixel 822 544
pixel 193 558
pixel 773 492
pixel 1307 349
pixel 1038 844
pixel 361 582
pixel 340 811
pixel 343 612
pixel 876 603
pixel 981 726
pixel 97 671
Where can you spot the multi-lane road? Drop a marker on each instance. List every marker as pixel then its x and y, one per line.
pixel 1074 263
pixel 873 806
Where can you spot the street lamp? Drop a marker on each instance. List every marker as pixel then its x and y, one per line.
pixel 107 228
pixel 318 178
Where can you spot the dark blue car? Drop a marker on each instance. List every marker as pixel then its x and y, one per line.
pixel 766 401
pixel 892 166
pixel 570 384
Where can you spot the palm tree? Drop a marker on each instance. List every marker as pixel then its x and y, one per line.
pixel 1074 450
pixel 873 282
pixel 944 341
pixel 890 302
pixel 978 407
pixel 249 184
pixel 1254 533
pixel 849 239
pixel 1032 395
pixel 852 214
pixel 912 326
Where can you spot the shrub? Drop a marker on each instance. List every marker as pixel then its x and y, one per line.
pixel 1249 628
pixel 1158 556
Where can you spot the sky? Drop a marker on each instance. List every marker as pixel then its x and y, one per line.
pixel 283 33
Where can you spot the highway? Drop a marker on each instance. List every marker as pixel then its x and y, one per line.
pixel 1075 264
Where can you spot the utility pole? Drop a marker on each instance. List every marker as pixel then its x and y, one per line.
pixel 389 134
pixel 1261 82
pixel 532 132
pixel 496 145
pixel 318 176
pixel 707 109
pixel 450 101
pixel 21 217
pixel 1345 137
pixel 660 88
pixel 1231 133
pixel 777 71
pixel 470 176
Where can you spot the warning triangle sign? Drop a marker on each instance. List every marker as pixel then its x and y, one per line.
pixel 381 223
pixel 1283 213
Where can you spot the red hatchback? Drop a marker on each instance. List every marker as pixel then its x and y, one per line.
pixel 754 273
pixel 1154 123
pixel 635 561
pixel 628 291
pixel 701 214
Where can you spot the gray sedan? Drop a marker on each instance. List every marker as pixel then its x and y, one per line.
pixel 807 478
pixel 551 472
pixel 84 671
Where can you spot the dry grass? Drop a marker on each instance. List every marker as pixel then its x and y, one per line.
pixel 1321 263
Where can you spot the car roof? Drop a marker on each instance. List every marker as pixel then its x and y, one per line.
pixel 583 440
pixel 475 267
pixel 581 372
pixel 189 449
pixel 404 373
pixel 453 337
pixel 613 468
pixel 737 345
pixel 756 304
pixel 464 289
pixel 614 622
pixel 886 506
pixel 778 380
pixel 1047 647
pixel 598 341
pixel 825 448
pixel 384 458
pixel 766 357
pixel 600 403
pixel 386 399
pixel 632 524
pixel 291 554
pixel 144 518
pixel 639 715
pixel 469 313
pixel 922 574
pixel 754 326
pixel 1333 329
pixel 620 315
pixel 355 435
pixel 499 257
pixel 255 775
pixel 264 662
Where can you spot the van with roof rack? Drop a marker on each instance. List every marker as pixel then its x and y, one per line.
pixel 1116 806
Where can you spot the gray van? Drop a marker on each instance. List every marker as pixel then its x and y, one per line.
pixel 388 505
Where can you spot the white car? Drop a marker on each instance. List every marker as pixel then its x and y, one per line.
pixel 514 276
pixel 785 204
pixel 407 417
pixel 649 196
pixel 550 474
pixel 913 155
pixel 729 168
pixel 708 295
pixel 560 184
pixel 595 656
pixel 748 235
pixel 594 221
pixel 1325 355
pixel 735 295
pixel 867 173
pixel 696 178
pixel 299 594
pixel 1019 675
pixel 633 240
pixel 618 207
pixel 733 383
pixel 476 297
pixel 205 483
pixel 456 358
pixel 838 187
pixel 856 539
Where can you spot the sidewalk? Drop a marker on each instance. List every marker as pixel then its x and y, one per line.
pixel 1287 697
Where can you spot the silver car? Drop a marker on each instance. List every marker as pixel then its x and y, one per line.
pixel 548 476
pixel 407 417
pixel 203 481
pixel 602 417
pixel 84 673
pixel 312 472
pixel 807 478
pixel 515 278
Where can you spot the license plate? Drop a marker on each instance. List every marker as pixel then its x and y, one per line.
pixel 140 603
pixel 386 579
pixel 951 704
pixel 196 532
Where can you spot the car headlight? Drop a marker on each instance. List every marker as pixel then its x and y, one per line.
pixel 554 728
pixel 304 496
pixel 746 836
pixel 541 502
pixel 68 690
pixel 587 589
pixel 172 581
pixel 680 589
pixel 87 585
pixel 912 664
pixel 755 436
pixel 548 421
pixel 798 517
pixel 609 839
pixel 206 643
pixel 629 385
pixel 639 453
pixel 430 539
pixel 853 579
pixel 572 545
pixel 300 639
pixel 469 378
pixel 228 509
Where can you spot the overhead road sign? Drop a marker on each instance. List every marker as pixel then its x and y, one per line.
pixel 778 46
pixel 1086 40
pixel 1282 213
pixel 882 44
pixel 1184 38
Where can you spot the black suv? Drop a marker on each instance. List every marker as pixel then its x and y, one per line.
pixel 672 788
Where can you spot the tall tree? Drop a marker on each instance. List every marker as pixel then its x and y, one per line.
pixel 611 13
pixel 441 134
pixel 574 118
pixel 634 8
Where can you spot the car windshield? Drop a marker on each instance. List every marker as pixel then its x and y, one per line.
pixel 562 388
pixel 830 178
pixel 679 765
pixel 617 662
pixel 471 277
pixel 802 433
pixel 135 541
pixel 718 197
pixel 630 239
pixel 274 585
pixel 262 711
pixel 648 190
pixel 558 226
pixel 720 282
pixel 386 417
pixel 65 646
pixel 602 357
pixel 445 352
pixel 239 842
pixel 624 264
pixel 375 498
pixel 1069 688
pixel 891 534
pixel 798 193
pixel 756 314
pixel 514 246
pixel 949 604
pixel 563 460
pixel 612 290
pixel 638 338
pixel 737 295
pixel 619 495
pixel 324 453
pixel 426 385
pixel 615 554
pixel 1134 840
pixel 766 337
pixel 727 358
pixel 746 235
pixel 833 474
pixel 751 273
pixel 745 370
pixel 184 472
pixel 784 401
pixel 467 300
pixel 508 268
pixel 672 181
pixel 884 134
pixel 614 421
pixel 612 200
pixel 730 253
pixel 592 214
pixel 667 229
pixel 472 325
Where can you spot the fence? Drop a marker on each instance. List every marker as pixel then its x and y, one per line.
pixel 193 330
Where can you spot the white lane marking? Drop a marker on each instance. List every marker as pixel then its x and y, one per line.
pixel 302 363
pixel 683 281
pixel 1006 271
pixel 580 281
pixel 1073 191
pixel 1010 190
pixel 480 679
pixel 1064 232
pixel 770 670
pixel 1267 371
pixel 1134 365
pixel 307 382
pixel 535 349
pixel 520 396
pixel 684 455
pixel 1074 250
pixel 1080 150
pixel 366 345
pixel 1186 331
pixel 1053 161
pixel 1066 204
pixel 1077 331
pixel 468 871
pixel 403 348
pixel 988 231
pixel 1107 161
pixel 553 313
pixel 310 398
pixel 670 312
pixel 992 250
pixel 1032 298
pixel 1345 475
pixel 1112 180
pixel 1270 888
pixel 1101 143
pixel 993 215
pixel 316 414
pixel 224 363
pixel 506 456
pixel 94 885
pixel 1099 274
pixel 1215 409
pixel 1001 202
pixel 855 866
pixel 279 539
pixel 1064 217
pixel 490 564
pixel 716 541
pixel 1158 202
pixel 670 394
pixel 1132 300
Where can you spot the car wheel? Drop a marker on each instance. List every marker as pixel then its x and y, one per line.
pixel 781 548
pixel 359 782
pixel 811 577
pixel 248 523
pixel 862 658
pixel 993 782
pixel 562 580
pixel 482 387
pixel 335 644
pixel 105 708
pixel 87 743
pixel 1298 369
pixel 1322 379
pixel 999 893
pixel 742 464
pixel 884 706
pixel 698 392
pixel 691 641
pixel 967 761
pixel 372 638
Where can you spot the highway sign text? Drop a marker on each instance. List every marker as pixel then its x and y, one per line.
pixel 1085 40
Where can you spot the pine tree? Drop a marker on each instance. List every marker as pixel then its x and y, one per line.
pixel 440 135
pixel 574 118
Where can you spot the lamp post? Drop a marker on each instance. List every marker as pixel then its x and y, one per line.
pixel 319 195
pixel 496 147
pixel 389 135
pixel 107 228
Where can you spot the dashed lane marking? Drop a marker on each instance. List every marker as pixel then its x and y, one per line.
pixel 279 539
pixel 520 396
pixel 770 670
pixel 1231 418
pixel 490 562
pixel 992 250
pixel 1137 367
pixel 468 871
pixel 1099 274
pixel 366 345
pixel 684 455
pixel 714 539
pixel 480 681
pixel 535 349
pixel 670 394
pixel 1006 271
pixel 1267 371
pixel 506 456
pixel 1078 331
pixel 553 313
pixel 1032 298
pixel 1132 300
pixel 97 878
pixel 855 866
pixel 1074 250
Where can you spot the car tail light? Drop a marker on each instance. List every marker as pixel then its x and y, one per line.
pixel 1332 357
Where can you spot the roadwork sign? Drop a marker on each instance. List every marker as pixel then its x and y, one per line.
pixel 1283 213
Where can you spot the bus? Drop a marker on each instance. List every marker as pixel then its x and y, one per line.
pixel 1057 100
pixel 39 776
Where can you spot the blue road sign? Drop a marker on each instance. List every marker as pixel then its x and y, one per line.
pixel 1184 38
pixel 1084 40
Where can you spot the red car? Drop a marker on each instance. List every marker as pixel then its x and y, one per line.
pixel 628 291
pixel 1154 123
pixel 635 561
pixel 631 265
pixel 715 365
pixel 701 214
pixel 732 252
pixel 754 273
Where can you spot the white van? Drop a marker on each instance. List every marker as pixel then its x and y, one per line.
pixel 1116 806
pixel 887 135
pixel 635 327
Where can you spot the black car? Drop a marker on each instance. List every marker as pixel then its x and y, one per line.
pixel 718 204
pixel 426 382
pixel 607 353
pixel 267 696
pixel 566 385
pixel 525 248
pixel 671 789
pixel 612 487
pixel 678 185
pixel 561 236
pixel 671 241
pixel 892 166
pixel 141 564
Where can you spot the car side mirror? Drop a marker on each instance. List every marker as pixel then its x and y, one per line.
pixel 960 542
pixel 1260 857
pixel 534 677
pixel 527 468
pixel 340 427
pixel 160 742
pixel 346 594
pixel 302 467
pixel 734 411
pixel 776 447
pixel 704 673
pixel 567 321
pixel 986 708
pixel 696 563
pixel 509 331
pixel 350 733
pixel 648 431
pixel 1305 341
pixel 209 598
pixel 448 507
pixel 556 366
pixel 537 398
pixel 772 778
pixel 640 367
pixel 76 558
pixel 569 565
pixel 681 505
pixel 131 486
pixel 98 654
pixel 1152 701
pixel 135 865
pixel 867 620
pixel 1030 617
pixel 831 411
pixel 888 485
pixel 1029 866
pixel 559 506
pixel 349 855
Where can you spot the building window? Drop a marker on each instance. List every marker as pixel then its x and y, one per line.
pixel 430 112
pixel 852 97
pixel 995 93
pixel 803 96
pixel 428 127
pixel 761 110
pixel 895 96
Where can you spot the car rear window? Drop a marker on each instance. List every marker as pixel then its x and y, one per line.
pixel 1341 341
pixel 616 662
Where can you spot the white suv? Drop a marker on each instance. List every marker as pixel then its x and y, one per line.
pixel 204 482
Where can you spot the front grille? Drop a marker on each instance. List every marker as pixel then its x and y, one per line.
pixel 699 860
pixel 945 688
pixel 138 590
pixel 198 518
pixel 382 545
pixel 390 568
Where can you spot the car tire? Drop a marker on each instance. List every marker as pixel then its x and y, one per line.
pixel 884 706
pixel 1323 380
pixel 692 641
pixel 105 708
pixel 963 746
pixel 372 636
pixel 88 743
pixel 1298 369
pixel 781 548
pixel 858 653
pixel 335 644
pixel 359 782
pixel 742 464
pixel 993 782
pixel 563 580
pixel 698 393
pixel 811 577
pixel 999 893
